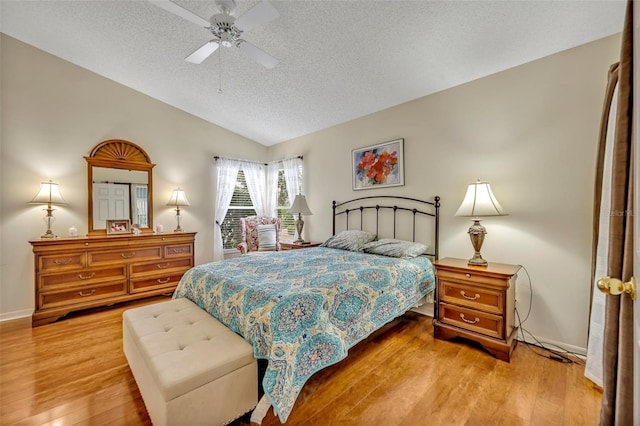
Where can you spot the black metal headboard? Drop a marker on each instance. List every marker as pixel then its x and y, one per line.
pixel 342 208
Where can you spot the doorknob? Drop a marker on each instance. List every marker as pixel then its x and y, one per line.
pixel 614 286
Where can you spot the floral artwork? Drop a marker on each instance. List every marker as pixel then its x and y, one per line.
pixel 378 165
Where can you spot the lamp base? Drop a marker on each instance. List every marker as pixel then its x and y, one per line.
pixel 476 234
pixel 299 227
pixel 477 260
pixel 48 235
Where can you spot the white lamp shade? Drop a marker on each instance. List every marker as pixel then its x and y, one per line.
pixel 480 201
pixel 49 193
pixel 178 198
pixel 300 206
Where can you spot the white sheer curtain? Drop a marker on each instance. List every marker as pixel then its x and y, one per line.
pixel 291 168
pixel 227 175
pixel 594 365
pixel 255 175
pixel 271 197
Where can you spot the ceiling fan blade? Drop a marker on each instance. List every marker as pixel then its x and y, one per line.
pixel 258 55
pixel 202 52
pixel 258 15
pixel 181 12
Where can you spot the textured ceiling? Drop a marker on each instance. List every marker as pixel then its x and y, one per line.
pixel 339 60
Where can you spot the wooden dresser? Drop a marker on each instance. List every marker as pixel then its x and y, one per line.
pixel 477 303
pixel 79 273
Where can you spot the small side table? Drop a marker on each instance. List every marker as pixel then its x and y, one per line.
pixel 296 246
pixel 477 303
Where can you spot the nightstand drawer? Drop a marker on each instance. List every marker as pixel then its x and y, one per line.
pixel 473 277
pixel 471 297
pixel 472 320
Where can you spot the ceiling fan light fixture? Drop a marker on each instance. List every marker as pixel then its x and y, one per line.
pixel 227 30
pixel 227 39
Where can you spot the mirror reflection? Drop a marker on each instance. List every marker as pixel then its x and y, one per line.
pixel 120 194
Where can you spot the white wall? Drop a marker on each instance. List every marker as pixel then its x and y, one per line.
pixel 531 132
pixel 53 114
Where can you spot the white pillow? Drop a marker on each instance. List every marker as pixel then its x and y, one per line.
pixel 267 237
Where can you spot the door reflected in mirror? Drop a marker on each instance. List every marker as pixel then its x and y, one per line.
pixel 120 194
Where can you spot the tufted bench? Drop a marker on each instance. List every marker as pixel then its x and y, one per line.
pixel 190 368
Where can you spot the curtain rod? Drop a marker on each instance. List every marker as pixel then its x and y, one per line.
pixel 256 162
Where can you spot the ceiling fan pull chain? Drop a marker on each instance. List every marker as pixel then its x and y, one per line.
pixel 220 71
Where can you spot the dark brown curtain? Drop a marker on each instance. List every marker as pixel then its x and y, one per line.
pixel 617 398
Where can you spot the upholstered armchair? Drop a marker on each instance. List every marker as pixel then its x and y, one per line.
pixel 251 239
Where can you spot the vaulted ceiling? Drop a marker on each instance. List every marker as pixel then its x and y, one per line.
pixel 338 60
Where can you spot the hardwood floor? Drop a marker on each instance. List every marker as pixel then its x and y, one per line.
pixel 74 372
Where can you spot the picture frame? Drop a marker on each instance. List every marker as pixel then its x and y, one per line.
pixel 378 166
pixel 118 226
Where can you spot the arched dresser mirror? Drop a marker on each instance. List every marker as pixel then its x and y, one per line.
pixel 120 185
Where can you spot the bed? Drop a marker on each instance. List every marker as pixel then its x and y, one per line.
pixel 303 309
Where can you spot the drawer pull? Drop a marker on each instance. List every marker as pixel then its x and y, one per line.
pixel 477 296
pixel 129 255
pixel 86 277
pixel 165 266
pixel 66 262
pixel 91 293
pixel 467 275
pixel 164 281
pixel 469 321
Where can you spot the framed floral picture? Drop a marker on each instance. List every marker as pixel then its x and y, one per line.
pixel 378 166
pixel 118 226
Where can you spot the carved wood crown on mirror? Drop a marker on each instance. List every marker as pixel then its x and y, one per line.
pixel 119 164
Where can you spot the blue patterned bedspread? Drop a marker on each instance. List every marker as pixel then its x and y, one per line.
pixel 303 309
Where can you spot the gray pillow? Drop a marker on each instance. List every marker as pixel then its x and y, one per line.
pixel 395 248
pixel 349 240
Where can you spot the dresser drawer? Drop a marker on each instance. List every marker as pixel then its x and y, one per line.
pixel 52 299
pixel 178 250
pixel 472 320
pixel 125 254
pixel 168 281
pixel 61 262
pixel 472 297
pixel 161 266
pixel 472 277
pixel 81 278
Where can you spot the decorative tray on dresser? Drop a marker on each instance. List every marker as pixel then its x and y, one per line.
pixel 79 273
pixel 477 303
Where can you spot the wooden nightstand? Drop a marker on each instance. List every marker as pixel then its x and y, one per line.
pixel 295 246
pixel 477 303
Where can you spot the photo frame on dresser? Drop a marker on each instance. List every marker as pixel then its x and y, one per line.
pixel 378 166
pixel 118 226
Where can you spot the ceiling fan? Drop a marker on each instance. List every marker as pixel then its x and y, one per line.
pixel 227 30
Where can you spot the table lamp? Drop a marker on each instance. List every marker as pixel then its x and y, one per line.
pixel 178 199
pixel 300 207
pixel 48 194
pixel 478 202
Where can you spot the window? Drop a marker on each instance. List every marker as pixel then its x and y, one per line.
pixel 287 221
pixel 242 206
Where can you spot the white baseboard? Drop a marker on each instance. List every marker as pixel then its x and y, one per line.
pixel 8 316
pixel 553 345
